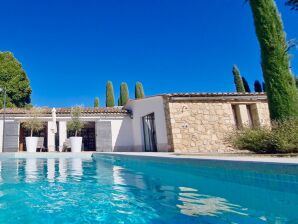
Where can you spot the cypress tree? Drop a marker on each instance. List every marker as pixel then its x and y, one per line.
pixel 264 87
pixel 258 87
pixel 246 85
pixel 124 95
pixel 139 91
pixel 296 79
pixel 237 79
pixel 293 4
pixel 280 85
pixel 96 102
pixel 110 99
pixel 119 102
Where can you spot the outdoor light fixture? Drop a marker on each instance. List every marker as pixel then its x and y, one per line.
pixel 3 90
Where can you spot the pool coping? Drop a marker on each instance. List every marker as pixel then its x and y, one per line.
pixel 45 155
pixel 212 157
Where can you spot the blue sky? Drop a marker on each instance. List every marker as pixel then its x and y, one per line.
pixel 70 48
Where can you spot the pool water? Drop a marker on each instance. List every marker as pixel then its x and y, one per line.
pixel 123 189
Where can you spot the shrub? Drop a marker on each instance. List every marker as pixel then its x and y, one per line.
pixel 75 124
pixel 34 123
pixel 281 138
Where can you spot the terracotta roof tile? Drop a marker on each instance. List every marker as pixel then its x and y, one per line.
pixel 211 94
pixel 65 111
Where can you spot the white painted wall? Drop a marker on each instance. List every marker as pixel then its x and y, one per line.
pixel 62 134
pixel 122 139
pixel 141 108
pixel 51 137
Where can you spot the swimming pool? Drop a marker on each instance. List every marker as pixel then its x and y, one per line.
pixel 126 189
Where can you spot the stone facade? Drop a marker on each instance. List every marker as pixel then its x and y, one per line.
pixel 196 126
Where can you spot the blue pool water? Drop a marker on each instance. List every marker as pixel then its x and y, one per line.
pixel 119 189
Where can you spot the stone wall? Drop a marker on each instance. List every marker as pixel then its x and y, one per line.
pixel 203 126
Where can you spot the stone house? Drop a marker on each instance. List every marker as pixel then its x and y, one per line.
pixel 178 122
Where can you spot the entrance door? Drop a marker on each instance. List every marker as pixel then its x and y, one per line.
pixel 149 133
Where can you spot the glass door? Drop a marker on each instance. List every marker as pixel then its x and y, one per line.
pixel 149 133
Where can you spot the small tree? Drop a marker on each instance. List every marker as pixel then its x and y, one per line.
pixel 96 102
pixel 139 91
pixel 246 85
pixel 33 123
pixel 124 95
pixel 257 86
pixel 237 79
pixel 75 124
pixel 110 99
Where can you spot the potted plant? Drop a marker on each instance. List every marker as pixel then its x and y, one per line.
pixel 34 124
pixel 75 124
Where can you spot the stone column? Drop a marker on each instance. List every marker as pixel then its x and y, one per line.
pixel 62 134
pixel 51 137
pixel 243 115
pixel 263 113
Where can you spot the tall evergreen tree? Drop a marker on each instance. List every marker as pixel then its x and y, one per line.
pixel 296 79
pixel 15 80
pixel 293 4
pixel 124 95
pixel 280 84
pixel 139 91
pixel 119 101
pixel 96 102
pixel 257 86
pixel 110 99
pixel 246 85
pixel 264 87
pixel 237 79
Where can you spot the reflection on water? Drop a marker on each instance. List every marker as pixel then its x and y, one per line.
pixel 0 171
pixel 195 204
pixel 76 165
pixel 62 170
pixel 31 170
pixel 51 169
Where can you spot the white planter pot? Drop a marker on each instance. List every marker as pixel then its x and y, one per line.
pixel 31 144
pixel 76 144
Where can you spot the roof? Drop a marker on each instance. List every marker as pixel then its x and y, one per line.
pixel 66 111
pixel 216 96
pixel 211 94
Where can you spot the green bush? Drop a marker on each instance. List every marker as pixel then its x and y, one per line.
pixel 281 138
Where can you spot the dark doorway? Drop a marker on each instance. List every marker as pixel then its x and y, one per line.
pixel 149 133
pixel 26 133
pixel 57 138
pixel 88 134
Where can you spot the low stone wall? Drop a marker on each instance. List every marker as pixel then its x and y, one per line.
pixel 195 127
